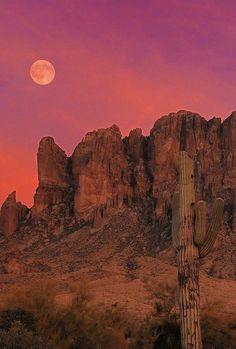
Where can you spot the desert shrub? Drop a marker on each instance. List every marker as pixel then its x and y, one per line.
pixel 31 317
pixel 156 333
pixel 167 334
pixel 75 325
pixel 161 328
pixel 164 322
pixel 164 296
pixel 18 337
pixel 57 325
pixel 7 317
pixel 39 300
pixel 218 331
pixel 116 328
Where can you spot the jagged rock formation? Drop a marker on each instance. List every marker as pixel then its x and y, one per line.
pixel 101 174
pixel 107 173
pixel 12 214
pixel 52 174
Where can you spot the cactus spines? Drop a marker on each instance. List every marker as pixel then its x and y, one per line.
pixel 191 241
pixel 200 222
pixel 175 220
pixel 212 232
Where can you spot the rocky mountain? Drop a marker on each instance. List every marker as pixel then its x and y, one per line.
pixel 110 202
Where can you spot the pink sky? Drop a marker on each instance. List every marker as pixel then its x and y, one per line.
pixel 124 62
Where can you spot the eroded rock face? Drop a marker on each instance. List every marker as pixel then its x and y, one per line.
pixel 229 150
pixel 203 141
pixel 140 179
pixel 53 175
pixel 163 161
pixel 100 171
pixel 229 164
pixel 109 173
pixel 12 214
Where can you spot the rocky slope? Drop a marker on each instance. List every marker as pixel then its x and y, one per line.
pixel 108 206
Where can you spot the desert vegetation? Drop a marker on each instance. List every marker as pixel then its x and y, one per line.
pixel 31 318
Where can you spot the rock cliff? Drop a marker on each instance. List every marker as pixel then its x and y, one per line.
pixel 12 215
pixel 52 175
pixel 101 173
pixel 107 173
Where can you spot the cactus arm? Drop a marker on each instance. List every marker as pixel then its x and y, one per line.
pixel 175 220
pixel 211 235
pixel 200 222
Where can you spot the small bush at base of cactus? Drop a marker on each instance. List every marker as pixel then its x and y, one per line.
pixel 7 317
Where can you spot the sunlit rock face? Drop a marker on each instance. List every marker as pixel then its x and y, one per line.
pixel 12 214
pixel 52 174
pixel 107 172
pixel 101 173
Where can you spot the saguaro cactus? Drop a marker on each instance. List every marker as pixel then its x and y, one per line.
pixel 191 240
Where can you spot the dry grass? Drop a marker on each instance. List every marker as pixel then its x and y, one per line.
pixel 80 324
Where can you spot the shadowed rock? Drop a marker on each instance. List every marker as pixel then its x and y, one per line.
pixel 12 214
pixel 52 174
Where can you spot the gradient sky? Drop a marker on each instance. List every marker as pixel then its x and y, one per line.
pixel 117 61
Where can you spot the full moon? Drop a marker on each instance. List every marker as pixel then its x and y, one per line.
pixel 42 72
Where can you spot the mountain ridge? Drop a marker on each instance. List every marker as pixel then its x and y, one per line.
pixel 108 205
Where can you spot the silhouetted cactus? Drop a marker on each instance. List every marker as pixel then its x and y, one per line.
pixel 191 240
